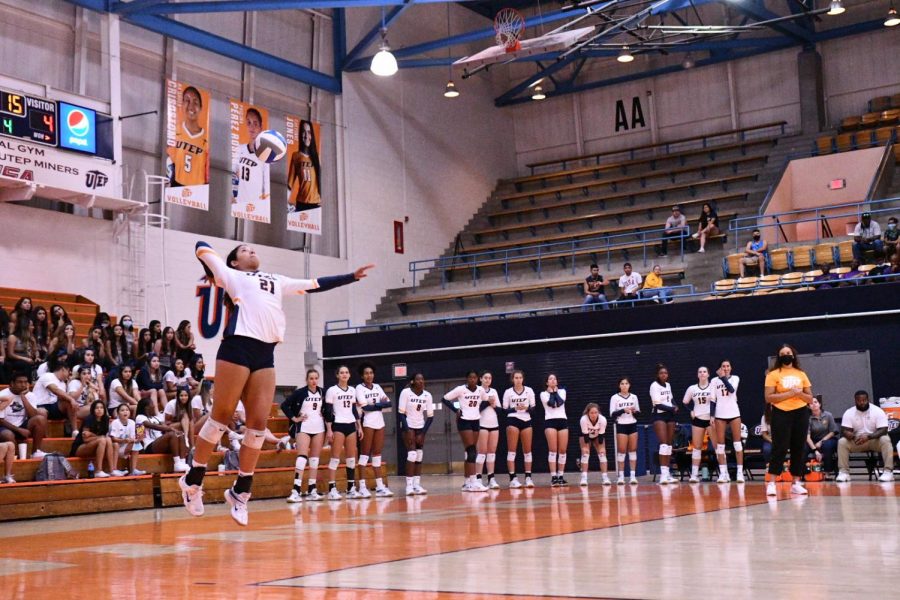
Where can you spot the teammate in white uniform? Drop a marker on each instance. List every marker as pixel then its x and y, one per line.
pixel 518 402
pixel 245 363
pixel 556 429
pixel 622 407
pixel 489 432
pixel 372 399
pixel 593 427
pixel 303 408
pixel 698 397
pixel 727 415
pixel 343 431
pixel 663 421
pixel 416 408
pixel 467 401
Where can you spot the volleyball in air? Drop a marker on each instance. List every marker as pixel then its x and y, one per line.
pixel 270 146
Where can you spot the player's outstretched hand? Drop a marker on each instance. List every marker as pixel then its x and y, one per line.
pixel 361 272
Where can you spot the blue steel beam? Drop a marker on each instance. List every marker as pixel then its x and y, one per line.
pixel 757 11
pixel 524 85
pixel 124 8
pixel 339 39
pixel 373 34
pixel 256 5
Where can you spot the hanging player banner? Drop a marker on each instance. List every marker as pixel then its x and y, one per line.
pixel 304 207
pixel 249 175
pixel 187 145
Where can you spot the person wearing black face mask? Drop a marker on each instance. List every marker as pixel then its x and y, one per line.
pixel 891 237
pixel 864 428
pixel 755 254
pixel 789 392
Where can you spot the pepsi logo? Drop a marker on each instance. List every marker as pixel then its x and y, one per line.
pixel 78 123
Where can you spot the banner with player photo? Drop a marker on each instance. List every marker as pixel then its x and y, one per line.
pixel 304 206
pixel 187 145
pixel 250 197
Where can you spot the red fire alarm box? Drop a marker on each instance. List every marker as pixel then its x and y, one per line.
pixel 398 237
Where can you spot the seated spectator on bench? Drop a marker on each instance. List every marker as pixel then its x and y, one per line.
pixel 629 283
pixel 864 428
pixel 85 393
pixel 122 433
pixel 143 347
pixel 19 418
pixel 150 382
pixel 676 228
pixel 867 237
pixel 709 225
pixel 653 287
pixel 93 442
pixel 8 454
pixel 89 362
pixel 63 340
pixel 593 289
pixel 22 350
pixel 825 278
pixel 178 377
pixel 891 237
pixel 755 254
pixel 96 342
pixel 178 412
pixel 124 390
pixel 823 433
pixel 51 398
pixel 853 273
pixel 158 438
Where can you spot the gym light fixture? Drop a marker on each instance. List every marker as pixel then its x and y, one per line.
pixel 892 19
pixel 383 63
pixel 837 8
pixel 625 55
pixel 538 93
pixel 450 91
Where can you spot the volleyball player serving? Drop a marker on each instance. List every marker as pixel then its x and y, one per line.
pixel 245 363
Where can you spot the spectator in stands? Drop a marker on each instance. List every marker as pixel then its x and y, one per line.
pixel 178 413
pixel 124 390
pixel 755 254
pixel 117 347
pixel 23 308
pixel 864 428
pixel 58 317
pixel 853 273
pixel 179 377
pixel 150 382
pixel 8 454
pixel 21 347
pixel 155 330
pixel 89 362
pixel 165 348
pixel 96 341
pixel 102 321
pixel 823 433
pixel 824 280
pixel 709 225
pixel 653 287
pixel 867 237
pixel 629 283
pixel 201 404
pixel 122 433
pixel 130 335
pixel 19 417
pixel 184 342
pixel 143 347
pixel 593 289
pixel 93 442
pixel 51 397
pixel 63 340
pixel 676 228
pixel 891 237
pixel 84 391
pixel 198 368
pixel 42 331
pixel 159 438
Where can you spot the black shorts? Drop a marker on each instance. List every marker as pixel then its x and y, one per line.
pixel 727 421
pixel 626 429
pixel 665 417
pixel 149 449
pixel 467 425
pixel 347 429
pixel 699 422
pixel 557 424
pixel 247 352
pixel 518 423
pixel 483 428
pixel 53 411
pixel 590 440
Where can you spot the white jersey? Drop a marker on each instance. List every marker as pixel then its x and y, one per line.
pixel 115 399
pixel 169 410
pixel 416 407
pixel 365 396
pixel 14 413
pixel 250 186
pixel 257 297
pixel 489 414
pixel 701 397
pixel 618 402
pixel 197 404
pixel 593 430
pixel 343 401
pixel 726 402
pixel 469 401
pixel 42 393
pixel 521 402
pixel 79 392
pixel 553 412
pixel 660 394
pixel 312 408
pixel 178 380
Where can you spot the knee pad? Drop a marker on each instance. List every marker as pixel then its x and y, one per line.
pixel 376 461
pixel 212 431
pixel 253 438
pixel 632 457
pixel 491 457
pixel 527 456
pixel 419 454
pixel 411 456
pixel 561 459
pixel 300 463
pixel 351 463
pixel 602 459
pixel 620 457
pixel 585 458
pixel 696 453
pixel 333 464
pixel 511 457
pixel 480 458
pixel 738 447
pixel 551 458
pixel 314 463
pixel 720 448
pixel 663 450
pixel 470 454
pixel 363 460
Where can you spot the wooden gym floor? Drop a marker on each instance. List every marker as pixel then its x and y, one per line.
pixel 646 541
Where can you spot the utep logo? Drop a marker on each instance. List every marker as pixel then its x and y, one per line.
pixel 79 125
pixel 209 315
pixel 95 179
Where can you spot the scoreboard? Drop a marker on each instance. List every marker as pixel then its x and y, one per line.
pixel 28 118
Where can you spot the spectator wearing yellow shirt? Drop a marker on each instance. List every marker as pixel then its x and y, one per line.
pixel 653 287
pixel 788 390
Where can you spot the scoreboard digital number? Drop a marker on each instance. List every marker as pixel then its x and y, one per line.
pixel 28 118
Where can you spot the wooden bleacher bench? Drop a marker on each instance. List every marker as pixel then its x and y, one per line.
pixel 27 500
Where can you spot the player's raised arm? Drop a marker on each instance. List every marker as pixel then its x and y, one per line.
pixel 213 265
pixel 322 284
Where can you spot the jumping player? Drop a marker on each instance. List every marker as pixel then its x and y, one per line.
pixel 518 402
pixel 663 421
pixel 344 430
pixel 556 429
pixel 489 432
pixel 727 415
pixel 416 408
pixel 245 364
pixel 303 408
pixel 467 401
pixel 698 397
pixel 593 426
pixel 373 400
pixel 622 407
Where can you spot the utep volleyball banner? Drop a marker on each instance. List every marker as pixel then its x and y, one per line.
pixel 304 206
pixel 187 145
pixel 249 175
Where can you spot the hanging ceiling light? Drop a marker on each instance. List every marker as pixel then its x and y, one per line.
pixel 383 63
pixel 538 93
pixel 450 91
pixel 837 8
pixel 892 19
pixel 625 55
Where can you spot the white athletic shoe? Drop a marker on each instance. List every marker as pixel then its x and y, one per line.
pixel 364 492
pixel 383 492
pixel 620 480
pixel 181 465
pixel 9 479
pixel 38 454
pixel 771 490
pixel 466 487
pixel 797 488
pixel 723 478
pixel 492 484
pixel 333 494
pixel 192 496
pixel 673 480
pixel 515 484
pixel 315 496
pixel 843 477
pixel 138 473
pixel 410 490
pixel 353 494
pixel 886 477
pixel 419 490
pixel 295 497
pixel 583 481
pixel 119 473
pixel 694 479
pixel 740 476
pixel 605 480
pixel 663 480
pixel 101 475
pixel 633 480
pixel 478 487
pixel 238 504
pixel 529 483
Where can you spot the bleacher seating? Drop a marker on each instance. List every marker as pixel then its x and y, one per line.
pixel 878 127
pixel 80 309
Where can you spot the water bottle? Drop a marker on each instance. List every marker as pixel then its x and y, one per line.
pixel 704 473
pixel 91 470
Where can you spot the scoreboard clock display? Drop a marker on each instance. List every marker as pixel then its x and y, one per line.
pixel 28 118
